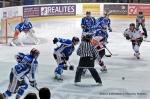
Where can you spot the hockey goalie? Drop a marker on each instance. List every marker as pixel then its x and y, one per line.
pixel 27 28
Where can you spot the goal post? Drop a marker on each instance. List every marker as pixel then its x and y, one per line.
pixel 7 28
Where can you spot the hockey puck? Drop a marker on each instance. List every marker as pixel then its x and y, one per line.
pixel 123 78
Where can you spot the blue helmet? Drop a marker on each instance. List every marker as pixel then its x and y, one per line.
pixel 19 57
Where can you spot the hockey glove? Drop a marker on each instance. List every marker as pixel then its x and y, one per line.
pixel 33 83
pixel 55 40
pixel 127 37
pixel 110 30
pixel 71 67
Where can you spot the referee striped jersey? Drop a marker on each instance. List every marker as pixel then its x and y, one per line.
pixel 86 49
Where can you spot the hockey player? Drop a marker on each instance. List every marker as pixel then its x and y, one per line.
pixel 26 67
pixel 104 22
pixel 99 43
pixel 136 38
pixel 88 22
pixel 62 54
pixel 103 33
pixel 140 21
pixel 27 28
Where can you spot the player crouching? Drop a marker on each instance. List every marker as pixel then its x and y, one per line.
pixel 136 38
pixel 27 28
pixel 62 54
pixel 26 67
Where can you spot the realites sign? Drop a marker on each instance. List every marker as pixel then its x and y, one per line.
pixel 58 10
pixel 51 10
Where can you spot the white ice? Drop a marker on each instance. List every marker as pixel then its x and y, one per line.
pixel 136 72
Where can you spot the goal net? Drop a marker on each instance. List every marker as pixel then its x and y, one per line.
pixel 7 28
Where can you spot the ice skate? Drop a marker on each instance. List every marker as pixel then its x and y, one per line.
pixel 12 44
pixel 104 69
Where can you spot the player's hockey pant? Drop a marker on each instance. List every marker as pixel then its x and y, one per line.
pixel 15 86
pixel 101 54
pixel 143 27
pixel 136 44
pixel 87 62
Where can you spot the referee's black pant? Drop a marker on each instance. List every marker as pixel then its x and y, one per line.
pixel 87 63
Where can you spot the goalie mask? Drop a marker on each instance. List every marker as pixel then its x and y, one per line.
pixel 25 21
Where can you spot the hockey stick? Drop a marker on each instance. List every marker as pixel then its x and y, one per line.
pixel 35 86
pixel 110 53
pixel 146 40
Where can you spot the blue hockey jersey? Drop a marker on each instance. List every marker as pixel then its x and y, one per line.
pixel 66 48
pixel 23 27
pixel 87 23
pixel 102 21
pixel 27 66
pixel 104 34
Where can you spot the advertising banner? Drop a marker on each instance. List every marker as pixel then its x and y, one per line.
pixel 93 8
pixel 58 10
pixel 133 9
pixel 116 9
pixel 50 10
pixel 32 11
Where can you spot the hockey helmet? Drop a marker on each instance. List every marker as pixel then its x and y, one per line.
pixel 35 53
pixel 132 24
pixel 140 12
pixel 75 40
pixel 19 57
pixel 88 13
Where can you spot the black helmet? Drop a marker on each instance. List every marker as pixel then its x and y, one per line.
pixel 34 52
pixel 75 40
pixel 132 24
pixel 88 13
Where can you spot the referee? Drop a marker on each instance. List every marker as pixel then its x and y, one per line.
pixel 87 54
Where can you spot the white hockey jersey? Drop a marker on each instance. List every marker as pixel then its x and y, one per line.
pixel 140 19
pixel 98 42
pixel 135 34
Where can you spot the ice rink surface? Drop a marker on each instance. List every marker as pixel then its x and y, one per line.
pixel 136 72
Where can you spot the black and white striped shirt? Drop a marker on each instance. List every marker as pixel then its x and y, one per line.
pixel 86 49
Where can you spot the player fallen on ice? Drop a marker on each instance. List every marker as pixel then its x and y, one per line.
pixel 88 23
pixel 62 54
pixel 26 67
pixel 140 21
pixel 99 43
pixel 104 22
pixel 27 28
pixel 136 37
pixel 88 54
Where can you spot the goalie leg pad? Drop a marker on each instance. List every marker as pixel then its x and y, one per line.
pixel 17 32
